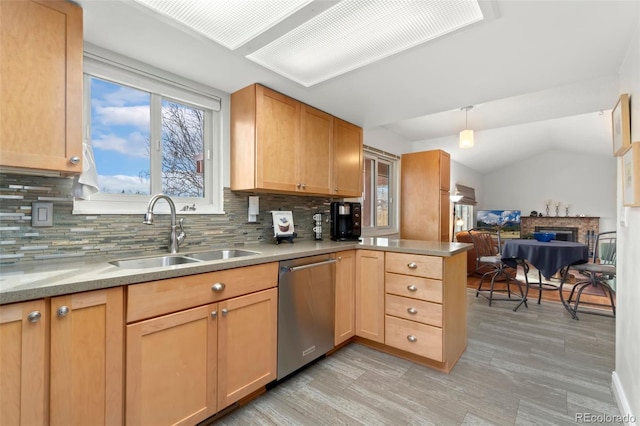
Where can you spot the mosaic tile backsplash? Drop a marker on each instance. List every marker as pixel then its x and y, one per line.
pixel 125 235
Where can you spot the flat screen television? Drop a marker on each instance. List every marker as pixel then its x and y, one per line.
pixel 508 220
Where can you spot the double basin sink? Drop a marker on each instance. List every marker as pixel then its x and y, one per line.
pixel 180 259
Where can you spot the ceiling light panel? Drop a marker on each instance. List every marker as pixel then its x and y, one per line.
pixel 230 23
pixel 354 33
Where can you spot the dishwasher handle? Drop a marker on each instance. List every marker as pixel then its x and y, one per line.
pixel 311 265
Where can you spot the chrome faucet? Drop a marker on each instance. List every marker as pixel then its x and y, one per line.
pixel 174 240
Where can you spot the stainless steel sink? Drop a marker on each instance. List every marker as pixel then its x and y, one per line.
pixel 220 254
pixel 153 262
pixel 180 259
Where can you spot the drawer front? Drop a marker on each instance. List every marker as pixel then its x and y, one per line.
pixel 414 310
pixel 156 298
pixel 420 339
pixel 414 264
pixel 414 287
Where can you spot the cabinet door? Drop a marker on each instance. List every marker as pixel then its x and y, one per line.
pixel 247 345
pixel 446 219
pixel 314 162
pixel 370 295
pixel 23 363
pixel 445 171
pixel 87 358
pixel 171 368
pixel 347 159
pixel 420 213
pixel 345 295
pixel 277 140
pixel 41 85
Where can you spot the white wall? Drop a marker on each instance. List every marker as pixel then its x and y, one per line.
pixel 381 138
pixel 467 177
pixel 626 377
pixel 586 182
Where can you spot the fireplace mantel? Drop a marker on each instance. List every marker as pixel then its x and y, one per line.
pixel 585 225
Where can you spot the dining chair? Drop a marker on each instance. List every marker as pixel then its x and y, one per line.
pixel 489 262
pixel 600 273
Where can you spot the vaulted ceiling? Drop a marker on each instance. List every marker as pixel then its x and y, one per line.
pixel 540 74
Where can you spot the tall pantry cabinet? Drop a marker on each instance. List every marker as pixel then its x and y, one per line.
pixel 424 185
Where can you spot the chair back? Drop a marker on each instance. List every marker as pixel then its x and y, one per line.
pixel 486 241
pixel 605 250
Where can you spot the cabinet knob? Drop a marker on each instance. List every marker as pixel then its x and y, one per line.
pixel 304 186
pixel 34 316
pixel 412 338
pixel 339 257
pixel 298 185
pixel 412 311
pixel 74 160
pixel 63 311
pixel 412 265
pixel 412 288
pixel 225 312
pixel 336 189
pixel 214 314
pixel 218 287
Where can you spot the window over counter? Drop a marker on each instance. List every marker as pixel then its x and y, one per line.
pixel 379 195
pixel 149 135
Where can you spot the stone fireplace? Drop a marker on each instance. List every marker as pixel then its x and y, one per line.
pixel 579 229
pixel 563 233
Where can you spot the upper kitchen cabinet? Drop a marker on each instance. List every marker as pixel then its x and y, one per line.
pixel 279 144
pixel 424 186
pixel 316 148
pixel 347 172
pixel 265 128
pixel 41 86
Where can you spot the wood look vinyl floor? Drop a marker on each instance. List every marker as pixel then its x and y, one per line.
pixel 536 366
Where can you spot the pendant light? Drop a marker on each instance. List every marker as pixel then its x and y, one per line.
pixel 466 136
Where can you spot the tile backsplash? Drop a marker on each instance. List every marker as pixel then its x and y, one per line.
pixel 124 235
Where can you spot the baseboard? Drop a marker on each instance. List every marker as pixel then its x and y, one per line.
pixel 623 404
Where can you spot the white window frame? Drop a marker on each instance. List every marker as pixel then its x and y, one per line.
pixel 392 160
pixel 145 78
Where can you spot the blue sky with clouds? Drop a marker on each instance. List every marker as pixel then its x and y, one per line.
pixel 120 118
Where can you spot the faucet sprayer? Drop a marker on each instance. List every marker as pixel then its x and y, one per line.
pixel 174 240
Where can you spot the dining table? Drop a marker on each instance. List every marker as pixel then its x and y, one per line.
pixel 549 257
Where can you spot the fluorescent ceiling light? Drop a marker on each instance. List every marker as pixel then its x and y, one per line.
pixel 230 23
pixel 354 33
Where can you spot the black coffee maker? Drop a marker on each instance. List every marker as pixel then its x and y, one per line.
pixel 346 221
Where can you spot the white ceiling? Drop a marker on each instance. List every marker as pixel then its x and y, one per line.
pixel 540 74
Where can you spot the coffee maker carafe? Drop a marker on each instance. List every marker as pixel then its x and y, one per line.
pixel 346 221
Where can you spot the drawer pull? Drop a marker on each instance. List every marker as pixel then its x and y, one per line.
pixel 412 338
pixel 412 311
pixel 218 287
pixel 412 288
pixel 34 316
pixel 412 265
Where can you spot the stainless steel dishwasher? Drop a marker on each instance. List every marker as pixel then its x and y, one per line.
pixel 306 306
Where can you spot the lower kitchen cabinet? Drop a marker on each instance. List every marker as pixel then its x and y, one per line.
pixel 64 368
pixel 247 345
pixel 345 296
pixel 23 363
pixel 425 306
pixel 87 337
pixel 369 301
pixel 171 368
pixel 184 367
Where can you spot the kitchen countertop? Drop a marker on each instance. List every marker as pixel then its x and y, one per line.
pixel 40 279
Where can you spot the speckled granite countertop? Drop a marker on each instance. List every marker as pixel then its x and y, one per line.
pixel 53 278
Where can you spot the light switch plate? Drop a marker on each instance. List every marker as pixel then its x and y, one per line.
pixel 41 214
